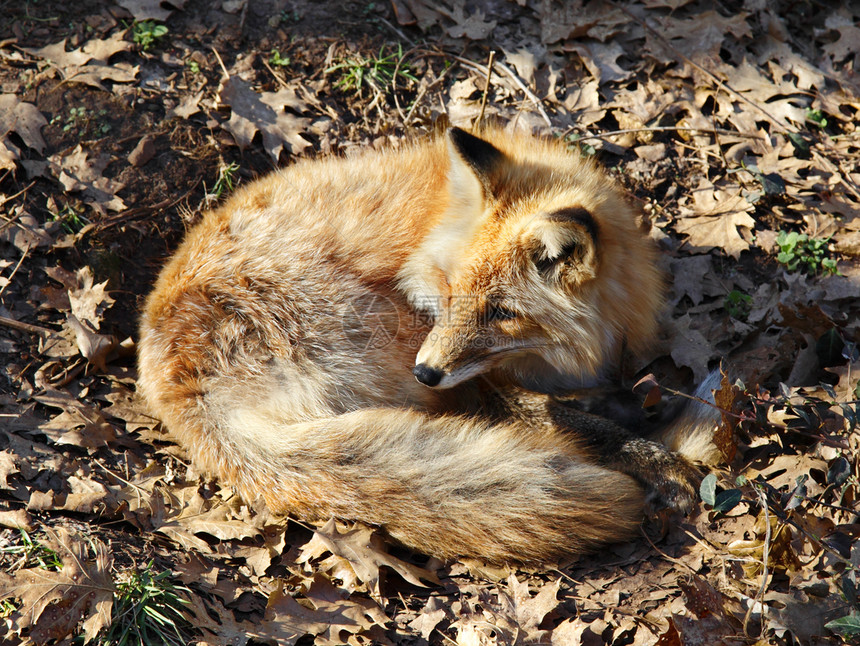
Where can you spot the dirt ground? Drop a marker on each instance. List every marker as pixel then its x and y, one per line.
pixel 733 124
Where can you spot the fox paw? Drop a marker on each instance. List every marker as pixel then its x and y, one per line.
pixel 670 480
pixel 673 485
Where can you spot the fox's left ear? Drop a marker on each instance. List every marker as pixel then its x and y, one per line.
pixel 564 246
pixel 471 155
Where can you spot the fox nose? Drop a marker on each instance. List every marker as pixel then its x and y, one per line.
pixel 427 375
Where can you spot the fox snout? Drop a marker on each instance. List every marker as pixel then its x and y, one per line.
pixel 427 375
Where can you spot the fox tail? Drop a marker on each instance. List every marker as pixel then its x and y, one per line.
pixel 692 432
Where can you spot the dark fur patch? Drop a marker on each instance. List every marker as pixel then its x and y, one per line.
pixel 580 216
pixel 481 156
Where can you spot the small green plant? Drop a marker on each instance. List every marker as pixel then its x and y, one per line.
pixel 148 609
pixel 799 252
pixel 33 554
pixel 276 60
pixel 70 219
pixel 738 304
pixel 225 183
pixel 76 116
pixel 81 119
pixel 290 16
pixel 817 117
pixel 193 66
pixel 146 32
pixel 7 607
pixel 574 143
pixel 377 71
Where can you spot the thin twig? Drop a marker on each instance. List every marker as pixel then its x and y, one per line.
pixel 9 198
pixel 221 63
pixel 490 62
pixel 531 95
pixel 710 131
pixel 15 271
pixel 25 327
pixel 516 80
pixel 405 38
pixel 280 81
pixel 422 91
pixel 765 556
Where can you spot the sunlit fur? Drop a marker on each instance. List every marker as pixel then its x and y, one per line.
pixel 279 341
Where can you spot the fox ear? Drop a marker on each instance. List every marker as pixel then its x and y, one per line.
pixel 478 156
pixel 565 246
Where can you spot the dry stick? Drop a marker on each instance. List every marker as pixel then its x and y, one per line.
pixel 279 80
pixel 516 79
pixel 394 87
pixel 765 556
pixel 15 271
pixel 487 85
pixel 130 214
pixel 424 91
pixel 404 37
pixel 220 62
pixel 710 131
pixel 25 327
pixel 21 192
pixel 532 97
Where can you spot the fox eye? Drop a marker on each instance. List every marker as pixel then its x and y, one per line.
pixel 496 312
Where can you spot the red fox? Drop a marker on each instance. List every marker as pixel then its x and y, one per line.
pixel 372 338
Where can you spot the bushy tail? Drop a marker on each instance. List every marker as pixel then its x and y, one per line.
pixel 448 486
pixel 692 433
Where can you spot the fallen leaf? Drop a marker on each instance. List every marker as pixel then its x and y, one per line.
pixel 79 173
pixel 89 63
pixel 524 62
pixel 189 105
pixel 16 519
pixel 81 589
pixel 88 300
pixel 473 26
pixel 24 119
pixel 151 9
pixel 431 614
pixel 25 231
pixel 95 348
pixel 7 468
pixel 188 514
pixel 365 552
pixel 848 43
pixel 264 113
pixel 530 611
pixel 712 217
pixel 690 348
pixel 286 621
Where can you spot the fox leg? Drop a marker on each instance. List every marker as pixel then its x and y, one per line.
pixel 448 485
pixel 670 480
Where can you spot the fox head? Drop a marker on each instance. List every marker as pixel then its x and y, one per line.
pixel 538 267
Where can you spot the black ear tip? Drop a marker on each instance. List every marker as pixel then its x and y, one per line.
pixel 481 155
pixel 458 135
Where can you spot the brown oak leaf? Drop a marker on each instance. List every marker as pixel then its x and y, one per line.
pixel 711 217
pixel 253 112
pixel 53 603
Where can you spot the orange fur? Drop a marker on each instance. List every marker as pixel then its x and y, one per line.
pixel 279 342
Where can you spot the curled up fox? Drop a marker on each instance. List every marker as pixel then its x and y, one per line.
pixel 377 338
